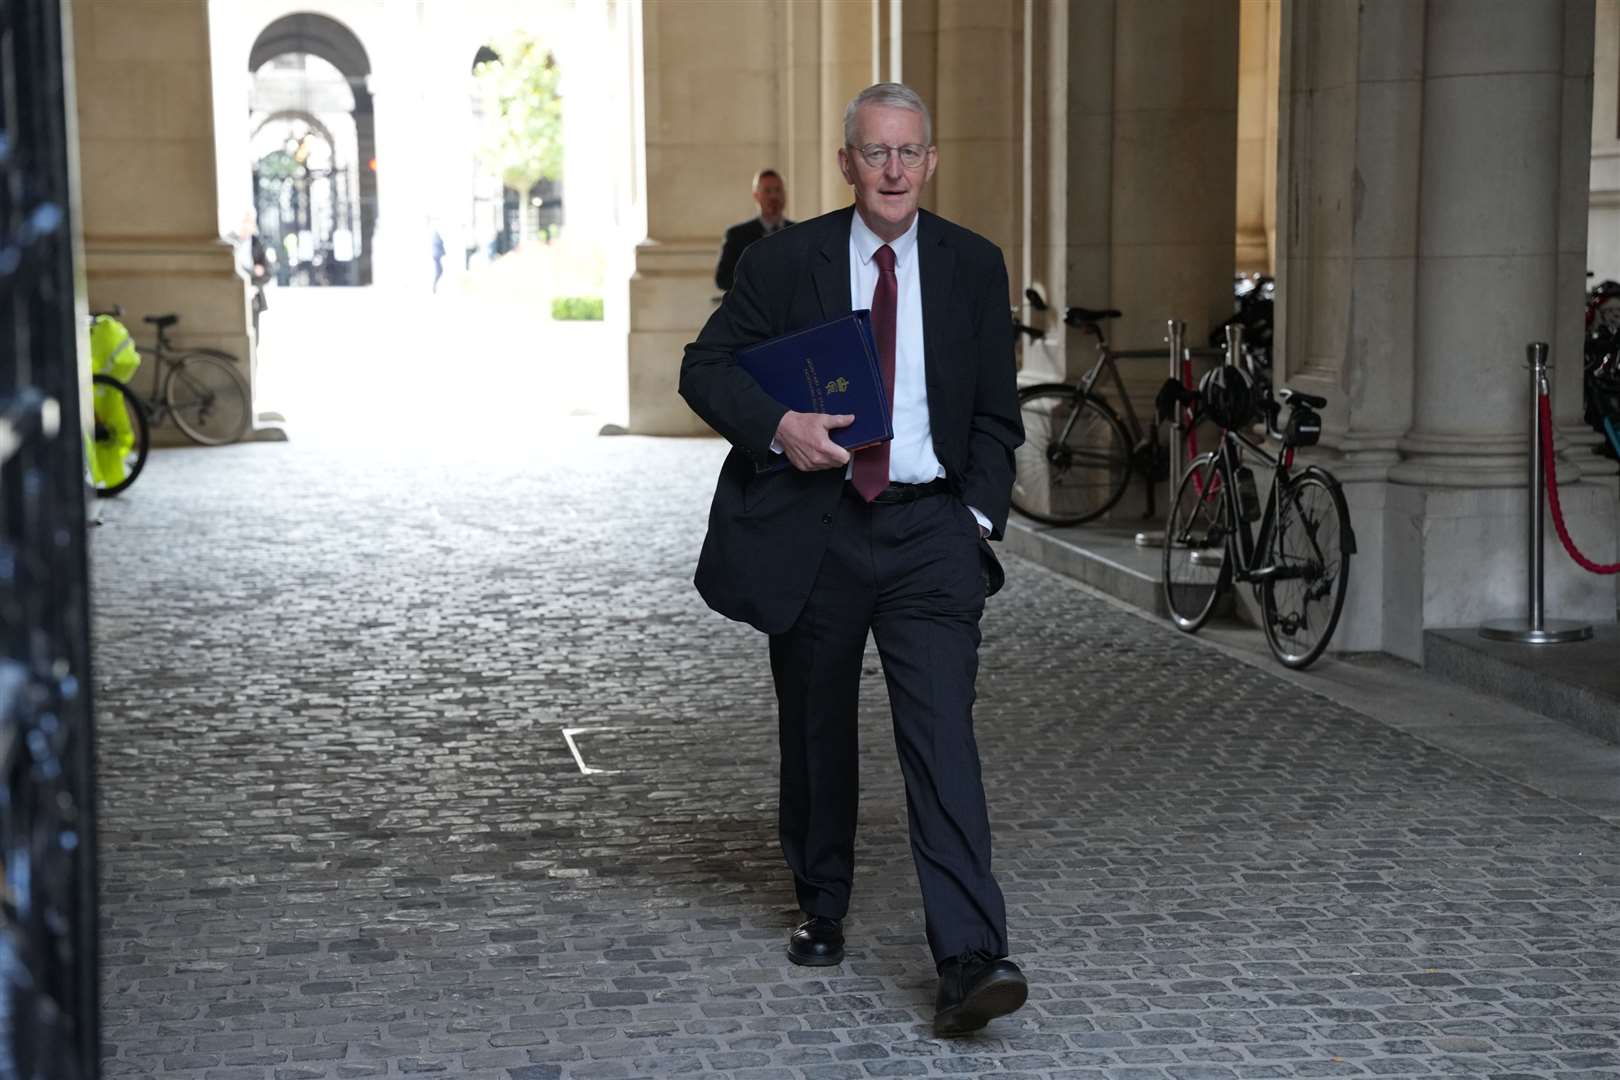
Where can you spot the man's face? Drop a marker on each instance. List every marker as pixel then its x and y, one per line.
pixel 887 194
pixel 771 196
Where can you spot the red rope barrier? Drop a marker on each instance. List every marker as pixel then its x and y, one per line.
pixel 1552 495
pixel 1186 410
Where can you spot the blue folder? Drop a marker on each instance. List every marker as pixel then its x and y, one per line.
pixel 831 367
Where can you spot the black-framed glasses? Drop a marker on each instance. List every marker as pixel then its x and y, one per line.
pixel 876 155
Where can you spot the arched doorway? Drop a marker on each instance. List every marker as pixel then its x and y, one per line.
pixel 304 198
pixel 319 52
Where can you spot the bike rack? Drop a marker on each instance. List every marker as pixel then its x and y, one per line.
pixel 1537 629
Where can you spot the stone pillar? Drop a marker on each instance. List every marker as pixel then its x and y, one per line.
pixel 1088 191
pixel 1603 233
pixel 849 64
pixel 1487 265
pixel 1174 168
pixel 702 148
pixel 146 151
pixel 919 62
pixel 1409 286
pixel 1045 189
pixel 1349 148
pixel 1257 134
pixel 978 121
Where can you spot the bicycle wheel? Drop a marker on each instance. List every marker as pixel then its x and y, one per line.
pixel 1075 461
pixel 1312 533
pixel 1197 568
pixel 120 457
pixel 208 399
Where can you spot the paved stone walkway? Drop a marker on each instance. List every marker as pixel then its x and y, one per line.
pixel 345 832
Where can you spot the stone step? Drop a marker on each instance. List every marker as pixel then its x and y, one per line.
pixel 1577 683
pixel 1105 556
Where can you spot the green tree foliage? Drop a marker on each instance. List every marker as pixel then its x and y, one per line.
pixel 522 137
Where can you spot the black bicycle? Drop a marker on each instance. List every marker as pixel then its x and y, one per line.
pixel 1080 450
pixel 1299 559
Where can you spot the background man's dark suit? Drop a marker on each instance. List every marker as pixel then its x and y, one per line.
pixel 767 531
pixel 804 558
pixel 738 238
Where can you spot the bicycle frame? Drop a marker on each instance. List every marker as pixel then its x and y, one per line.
pixel 1246 543
pixel 1105 361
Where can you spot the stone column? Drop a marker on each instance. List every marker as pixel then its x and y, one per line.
pixel 704 142
pixel 1088 190
pixel 1174 167
pixel 1603 233
pixel 978 121
pixel 1487 265
pixel 849 64
pixel 1045 176
pixel 1501 100
pixel 1257 132
pixel 146 151
pixel 919 62
pixel 1349 146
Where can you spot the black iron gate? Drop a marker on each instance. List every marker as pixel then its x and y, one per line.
pixel 48 1018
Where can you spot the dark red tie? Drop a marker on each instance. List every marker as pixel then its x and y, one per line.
pixel 871 474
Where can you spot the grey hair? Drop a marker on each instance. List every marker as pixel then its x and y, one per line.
pixel 891 94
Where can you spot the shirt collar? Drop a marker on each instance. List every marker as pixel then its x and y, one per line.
pixel 867 242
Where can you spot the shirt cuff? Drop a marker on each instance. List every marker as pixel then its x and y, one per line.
pixel 776 446
pixel 984 522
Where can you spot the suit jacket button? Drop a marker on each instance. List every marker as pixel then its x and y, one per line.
pixel 826 519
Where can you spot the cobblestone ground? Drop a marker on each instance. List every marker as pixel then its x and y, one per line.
pixel 344 833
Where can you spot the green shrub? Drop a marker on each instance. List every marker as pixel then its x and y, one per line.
pixel 576 307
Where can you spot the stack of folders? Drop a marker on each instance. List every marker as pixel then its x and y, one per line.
pixel 831 367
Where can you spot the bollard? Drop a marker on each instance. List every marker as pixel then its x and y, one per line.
pixel 1537 629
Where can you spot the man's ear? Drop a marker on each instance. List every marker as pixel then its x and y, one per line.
pixel 846 165
pixel 933 163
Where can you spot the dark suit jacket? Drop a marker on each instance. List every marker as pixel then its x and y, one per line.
pixel 768 530
pixel 738 237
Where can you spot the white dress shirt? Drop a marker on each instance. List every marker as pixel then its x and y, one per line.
pixel 911 453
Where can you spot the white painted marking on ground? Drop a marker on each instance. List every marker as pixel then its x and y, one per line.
pixel 568 737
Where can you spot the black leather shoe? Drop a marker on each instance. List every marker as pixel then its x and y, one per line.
pixel 974 989
pixel 818 942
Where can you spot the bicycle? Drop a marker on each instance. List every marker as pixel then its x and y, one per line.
pixel 119 434
pixel 104 441
pixel 1299 560
pixel 1078 454
pixel 198 388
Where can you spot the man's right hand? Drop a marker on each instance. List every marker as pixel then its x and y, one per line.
pixel 803 438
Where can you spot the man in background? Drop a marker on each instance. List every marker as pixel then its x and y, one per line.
pixel 771 196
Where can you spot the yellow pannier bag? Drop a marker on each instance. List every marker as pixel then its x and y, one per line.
pixel 112 352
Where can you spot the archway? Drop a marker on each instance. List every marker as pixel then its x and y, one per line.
pixel 307 34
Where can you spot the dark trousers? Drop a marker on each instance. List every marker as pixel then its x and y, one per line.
pixel 911 574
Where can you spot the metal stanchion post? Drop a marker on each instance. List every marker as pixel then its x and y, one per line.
pixel 1234 348
pixel 1537 629
pixel 1149 538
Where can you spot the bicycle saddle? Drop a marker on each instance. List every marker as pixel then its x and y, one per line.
pixel 1084 314
pixel 1295 397
pixel 162 321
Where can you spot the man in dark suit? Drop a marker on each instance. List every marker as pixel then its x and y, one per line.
pixel 889 540
pixel 771 196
